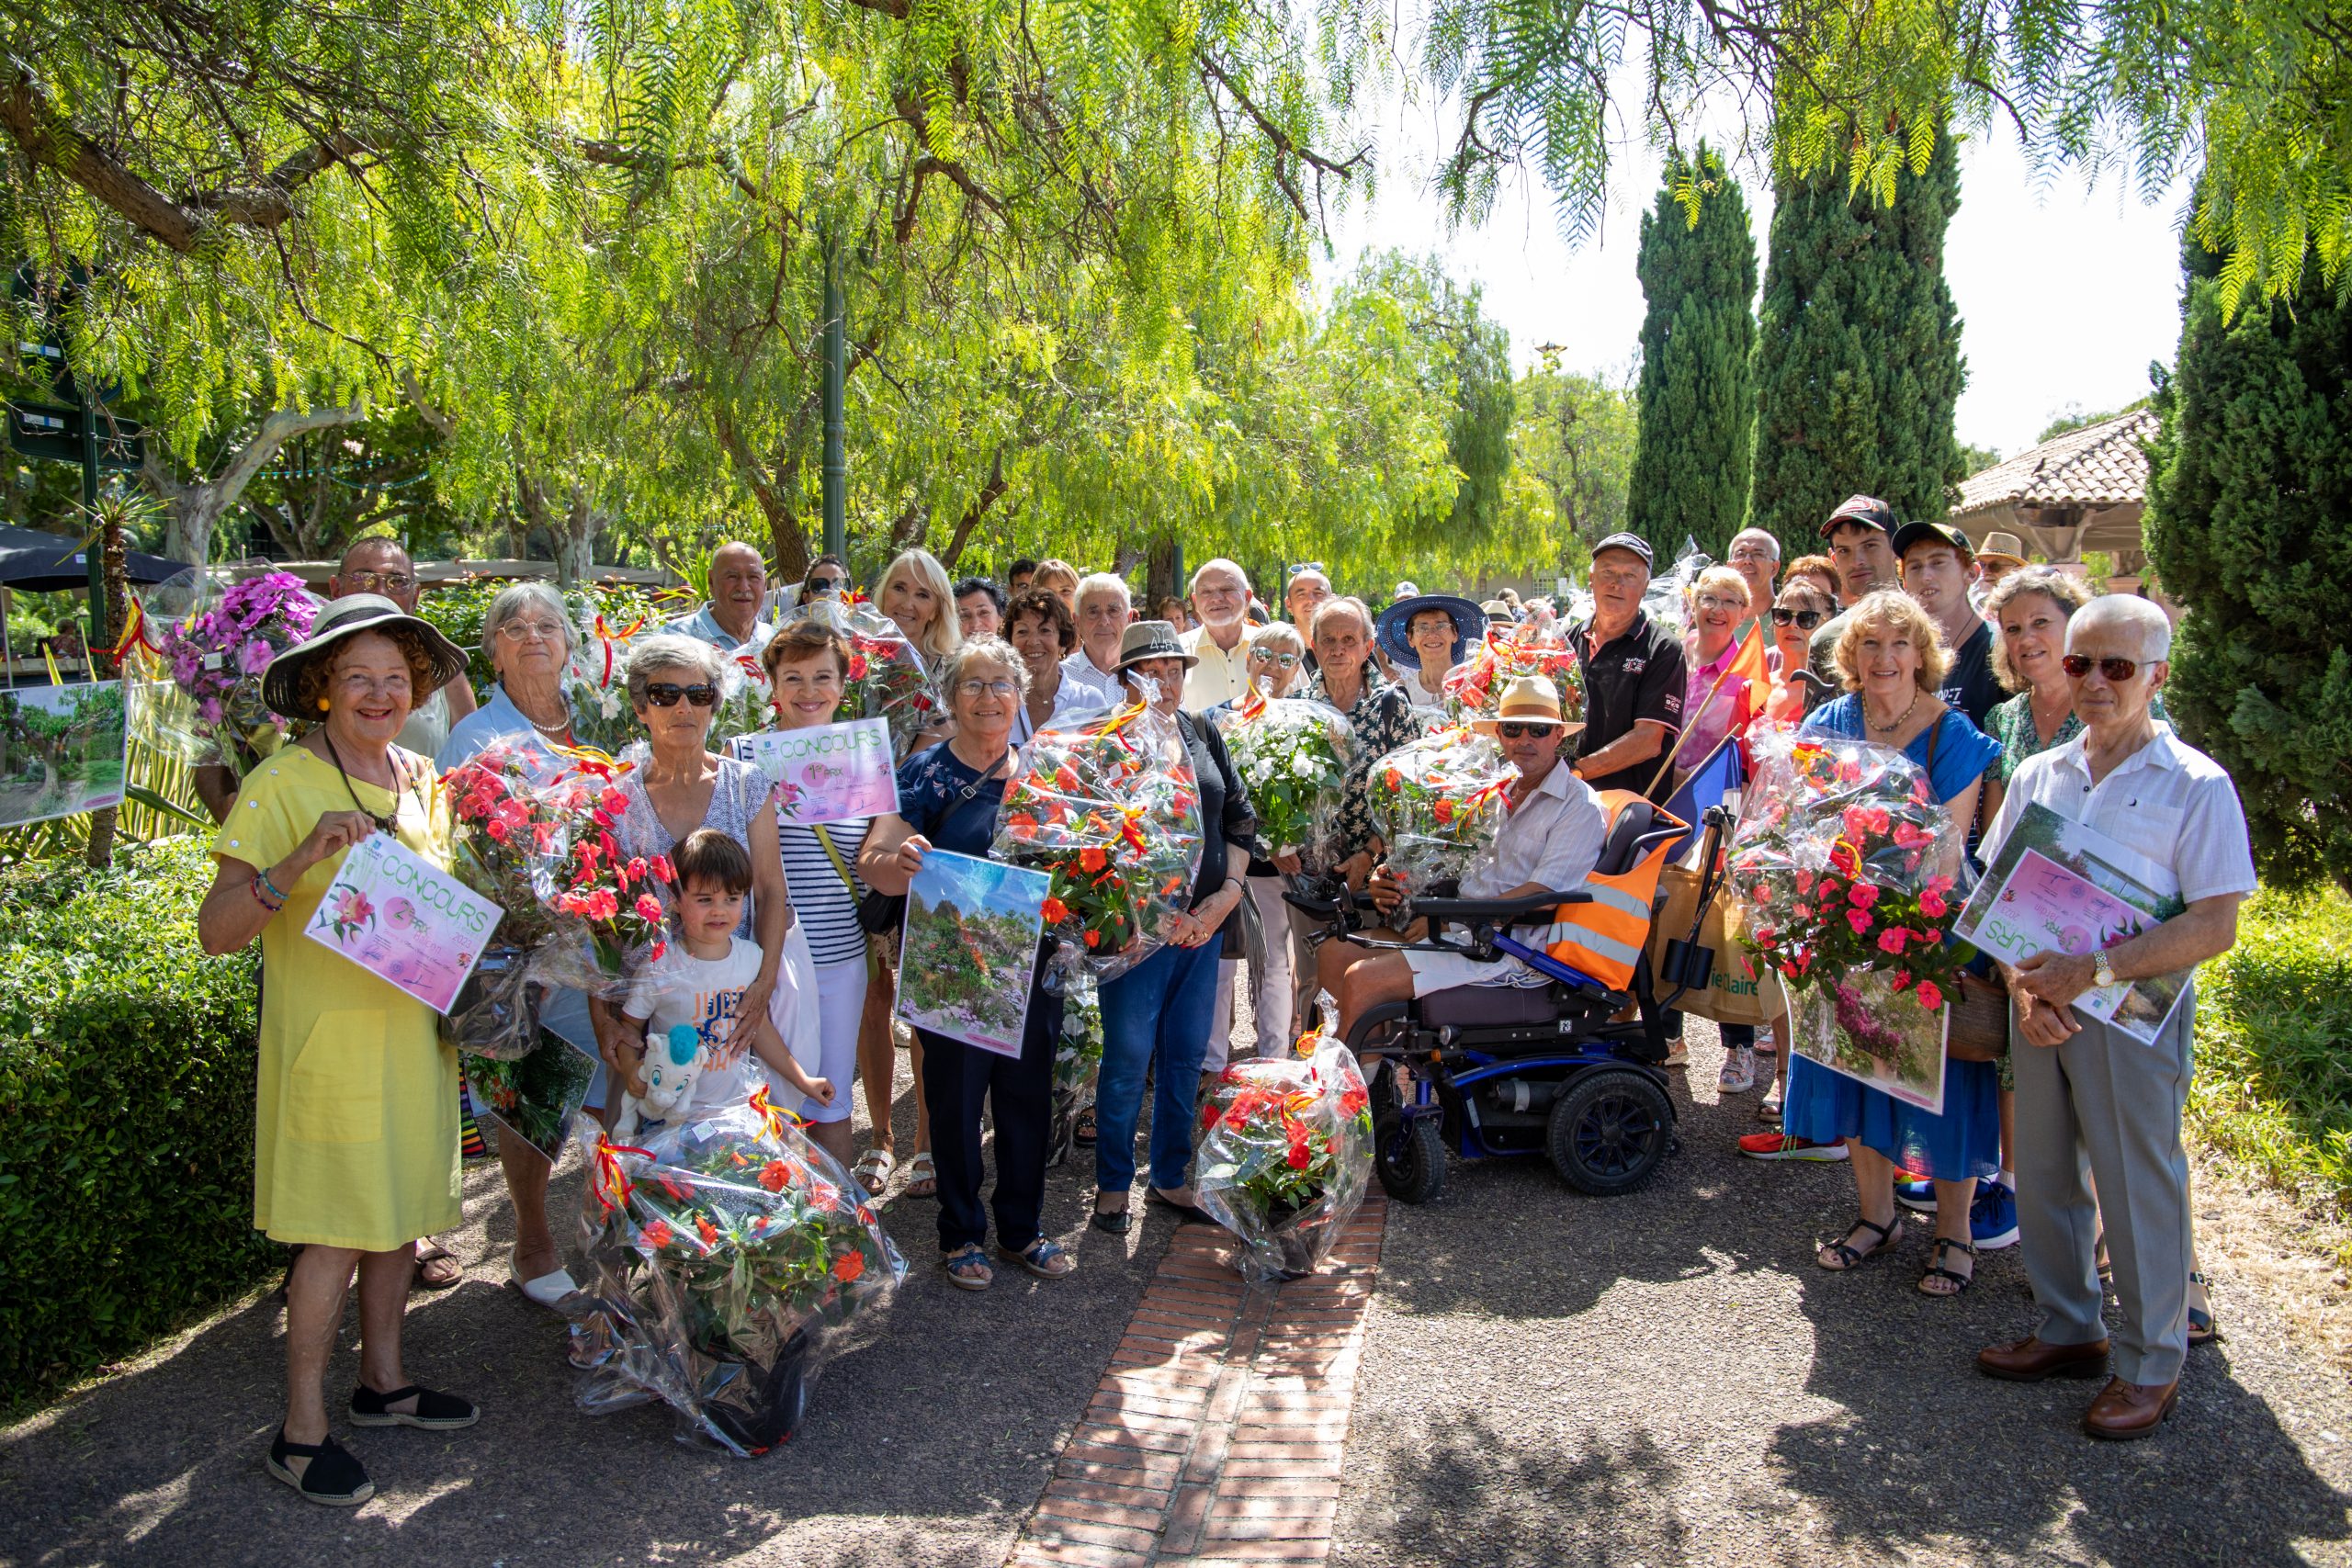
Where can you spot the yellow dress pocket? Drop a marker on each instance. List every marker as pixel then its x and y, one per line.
pixel 335 1092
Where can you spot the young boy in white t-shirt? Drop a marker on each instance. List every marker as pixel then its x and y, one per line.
pixel 688 999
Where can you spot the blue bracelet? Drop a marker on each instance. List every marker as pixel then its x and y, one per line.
pixel 275 891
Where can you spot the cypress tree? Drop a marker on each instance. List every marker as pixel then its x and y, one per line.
pixel 1697 399
pixel 2249 524
pixel 1858 362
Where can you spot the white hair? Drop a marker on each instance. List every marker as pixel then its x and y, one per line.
pixel 2150 627
pixel 1194 586
pixel 1101 583
pixel 1764 537
pixel 514 600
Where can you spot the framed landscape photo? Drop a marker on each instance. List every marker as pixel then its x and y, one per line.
pixel 973 928
pixel 60 750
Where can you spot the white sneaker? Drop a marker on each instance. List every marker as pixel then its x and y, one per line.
pixel 1678 1054
pixel 1740 1070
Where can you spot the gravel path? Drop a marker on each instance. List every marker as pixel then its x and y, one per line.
pixel 1667 1377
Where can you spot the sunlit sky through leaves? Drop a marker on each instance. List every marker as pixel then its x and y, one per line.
pixel 2066 291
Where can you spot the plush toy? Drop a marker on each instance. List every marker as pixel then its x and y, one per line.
pixel 672 1065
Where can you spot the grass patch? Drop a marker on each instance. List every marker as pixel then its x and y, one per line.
pixel 2273 1091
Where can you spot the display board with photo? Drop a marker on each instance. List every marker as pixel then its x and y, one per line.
pixel 60 750
pixel 970 944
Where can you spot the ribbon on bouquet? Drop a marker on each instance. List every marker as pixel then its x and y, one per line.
pixel 611 1184
pixel 777 1120
pixel 606 638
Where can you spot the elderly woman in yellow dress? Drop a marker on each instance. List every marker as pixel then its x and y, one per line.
pixel 355 1125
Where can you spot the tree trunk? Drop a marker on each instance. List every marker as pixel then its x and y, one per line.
pixel 575 542
pixel 1159 573
pixel 195 510
pixel 100 852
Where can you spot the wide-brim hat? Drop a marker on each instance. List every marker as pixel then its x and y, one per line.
pixel 1152 639
pixel 1529 699
pixel 345 619
pixel 1469 626
pixel 2002 547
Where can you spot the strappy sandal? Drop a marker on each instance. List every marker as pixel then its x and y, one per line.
pixel 430 1279
pixel 873 1170
pixel 1848 1255
pixel 967 1268
pixel 2203 1330
pixel 434 1412
pixel 332 1477
pixel 1081 1133
pixel 923 1177
pixel 1041 1257
pixel 1935 1270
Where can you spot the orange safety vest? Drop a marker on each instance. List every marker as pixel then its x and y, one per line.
pixel 1605 937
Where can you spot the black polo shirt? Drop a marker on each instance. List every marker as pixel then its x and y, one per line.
pixel 1640 674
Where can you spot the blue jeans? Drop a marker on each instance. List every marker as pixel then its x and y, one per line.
pixel 1157 1014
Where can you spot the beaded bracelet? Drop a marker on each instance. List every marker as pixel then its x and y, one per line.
pixel 275 891
pixel 262 898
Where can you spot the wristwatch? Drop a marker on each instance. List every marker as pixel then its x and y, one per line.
pixel 2102 972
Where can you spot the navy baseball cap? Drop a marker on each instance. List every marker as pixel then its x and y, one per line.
pixel 1632 542
pixel 1912 533
pixel 1868 511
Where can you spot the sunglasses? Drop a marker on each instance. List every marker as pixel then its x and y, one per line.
pixel 827 584
pixel 1511 729
pixel 1805 619
pixel 1279 661
pixel 665 694
pixel 2116 671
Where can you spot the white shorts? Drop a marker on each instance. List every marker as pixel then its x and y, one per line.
pixel 1444 971
pixel 840 1004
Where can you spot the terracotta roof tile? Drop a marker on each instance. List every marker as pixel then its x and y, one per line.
pixel 2100 465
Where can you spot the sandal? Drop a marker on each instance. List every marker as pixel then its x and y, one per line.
pixel 1848 1255
pixel 923 1177
pixel 1937 1271
pixel 2203 1330
pixel 967 1268
pixel 332 1477
pixel 1114 1221
pixel 1043 1259
pixel 1082 1128
pixel 428 1277
pixel 873 1169
pixel 434 1412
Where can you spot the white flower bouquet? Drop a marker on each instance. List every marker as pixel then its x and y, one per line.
pixel 1293 753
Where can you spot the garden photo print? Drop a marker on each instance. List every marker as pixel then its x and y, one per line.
pixel 973 927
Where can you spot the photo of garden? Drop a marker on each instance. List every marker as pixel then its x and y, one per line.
pixel 60 750
pixel 971 944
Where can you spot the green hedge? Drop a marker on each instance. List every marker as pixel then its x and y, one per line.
pixel 2274 1020
pixel 127 1068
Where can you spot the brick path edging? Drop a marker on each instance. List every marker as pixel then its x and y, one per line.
pixel 1217 1433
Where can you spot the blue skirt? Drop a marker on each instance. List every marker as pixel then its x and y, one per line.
pixel 1824 1106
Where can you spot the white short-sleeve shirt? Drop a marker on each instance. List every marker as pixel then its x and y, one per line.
pixel 1553 839
pixel 2167 802
pixel 1084 685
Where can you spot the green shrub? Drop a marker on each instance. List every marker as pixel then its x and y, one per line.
pixel 127 1071
pixel 457 608
pixel 2274 1020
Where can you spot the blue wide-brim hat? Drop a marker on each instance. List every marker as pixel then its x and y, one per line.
pixel 1469 626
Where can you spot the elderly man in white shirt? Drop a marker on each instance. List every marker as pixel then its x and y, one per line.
pixel 1220 594
pixel 1091 676
pixel 729 621
pixel 2090 1094
pixel 1549 843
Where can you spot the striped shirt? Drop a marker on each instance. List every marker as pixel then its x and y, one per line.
pixel 828 910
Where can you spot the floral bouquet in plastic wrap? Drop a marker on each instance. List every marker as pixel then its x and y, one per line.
pixel 1846 865
pixel 886 679
pixel 727 1252
pixel 1293 755
pixel 216 657
pixel 594 687
pixel 1666 601
pixel 1438 803
pixel 1078 1056
pixel 1535 647
pixel 1283 1155
pixel 1112 810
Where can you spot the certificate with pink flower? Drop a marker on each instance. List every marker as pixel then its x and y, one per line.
pixel 829 773
pixel 404 920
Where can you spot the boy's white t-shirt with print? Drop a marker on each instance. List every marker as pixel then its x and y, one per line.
pixel 689 1006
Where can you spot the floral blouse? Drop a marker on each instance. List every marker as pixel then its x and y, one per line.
pixel 1382 720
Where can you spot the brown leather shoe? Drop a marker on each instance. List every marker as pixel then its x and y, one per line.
pixel 2127 1410
pixel 2030 1360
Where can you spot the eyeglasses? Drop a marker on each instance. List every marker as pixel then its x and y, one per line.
pixel 2116 671
pixel 1279 661
pixel 1511 729
pixel 524 631
pixel 976 687
pixel 665 693
pixel 1300 569
pixel 1715 602
pixel 1805 619
pixel 381 582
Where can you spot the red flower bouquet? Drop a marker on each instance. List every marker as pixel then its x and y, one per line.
pixel 886 679
pixel 1438 803
pixel 1284 1153
pixel 1846 865
pixel 727 1252
pixel 617 898
pixel 1111 810
pixel 1509 653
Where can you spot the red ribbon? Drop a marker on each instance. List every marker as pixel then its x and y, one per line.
pixel 610 1178
pixel 606 636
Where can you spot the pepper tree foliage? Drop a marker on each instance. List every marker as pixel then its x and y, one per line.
pixel 1858 365
pixel 2250 94
pixel 1698 393
pixel 2249 494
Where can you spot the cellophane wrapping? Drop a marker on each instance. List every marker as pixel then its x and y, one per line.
pixel 1535 647
pixel 1282 1155
pixel 1666 601
pixel 728 1256
pixel 1847 866
pixel 1293 753
pixel 885 678
pixel 1438 803
pixel 214 651
pixel 1112 810
pixel 595 687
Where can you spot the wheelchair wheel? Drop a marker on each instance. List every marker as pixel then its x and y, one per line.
pixel 1408 1157
pixel 1609 1131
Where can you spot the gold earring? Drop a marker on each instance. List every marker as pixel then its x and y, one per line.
pixel 324 704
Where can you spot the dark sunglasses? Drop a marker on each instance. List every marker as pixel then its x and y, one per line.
pixel 665 694
pixel 1510 730
pixel 2118 670
pixel 827 584
pixel 1805 619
